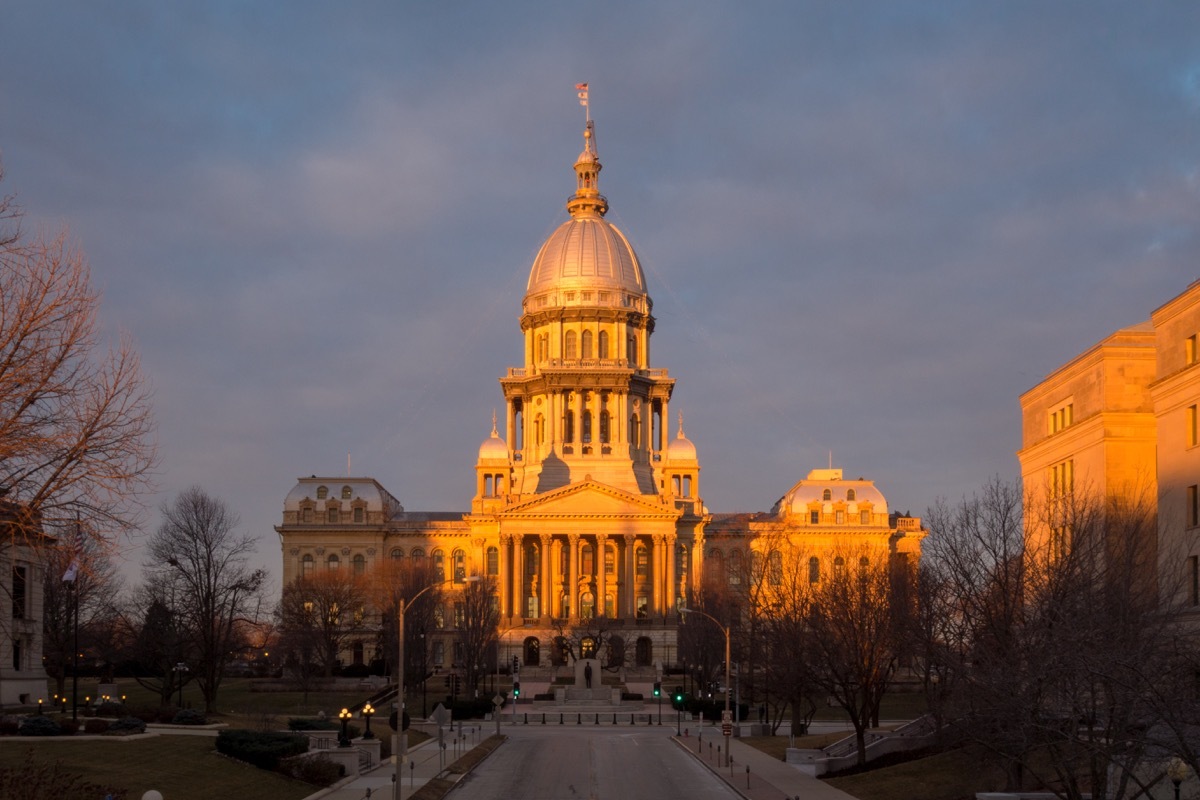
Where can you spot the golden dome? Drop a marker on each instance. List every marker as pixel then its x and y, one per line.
pixel 586 253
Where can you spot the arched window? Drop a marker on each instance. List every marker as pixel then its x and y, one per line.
pixel 610 560
pixel 736 568
pixel 418 557
pixel 616 652
pixel 397 554
pixel 569 426
pixel 680 561
pixel 756 567
pixel 814 570
pixel 306 565
pixel 635 431
pixel 322 492
pixel 493 561
pixel 864 563
pixel 347 493
pixel 439 565
pixel 533 651
pixel 539 429
pixel 587 606
pixel 360 564
pixel 460 566
pixel 604 427
pixel 827 494
pixel 645 651
pixel 714 565
pixel 839 567
pixel 774 568
pixel 602 345
pixel 586 345
pixel 570 346
pixel 850 495
pixel 333 562
pixel 586 436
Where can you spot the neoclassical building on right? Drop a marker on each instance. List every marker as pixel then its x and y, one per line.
pixel 1120 420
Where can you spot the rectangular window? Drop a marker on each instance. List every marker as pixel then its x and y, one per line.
pixel 1062 417
pixel 1193 508
pixel 1192 439
pixel 493 561
pixel 460 615
pixel 1194 580
pixel 1189 350
pixel 814 517
pixel 1062 478
pixel 333 516
pixel 358 514
pixel 841 517
pixel 19 592
pixel 865 517
pixel 18 655
pixel 439 654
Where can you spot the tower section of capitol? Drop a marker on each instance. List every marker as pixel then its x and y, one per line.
pixel 588 525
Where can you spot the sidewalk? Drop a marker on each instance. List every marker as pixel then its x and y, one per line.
pixel 424 765
pixel 768 778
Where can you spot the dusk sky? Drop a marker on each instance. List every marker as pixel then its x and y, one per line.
pixel 867 227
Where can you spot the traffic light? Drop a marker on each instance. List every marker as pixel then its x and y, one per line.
pixel 678 694
pixel 516 688
pixel 657 689
pixel 516 664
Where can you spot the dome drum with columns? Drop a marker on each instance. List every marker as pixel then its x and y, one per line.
pixel 584 507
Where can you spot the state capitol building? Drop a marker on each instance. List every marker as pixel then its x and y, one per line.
pixel 585 507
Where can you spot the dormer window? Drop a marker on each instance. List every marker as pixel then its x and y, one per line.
pixel 322 492
pixel 827 495
pixel 850 495
pixel 347 493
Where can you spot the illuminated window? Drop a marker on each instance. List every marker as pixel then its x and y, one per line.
pixel 439 565
pixel 1061 418
pixel 460 566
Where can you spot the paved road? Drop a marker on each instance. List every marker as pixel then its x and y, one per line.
pixel 539 763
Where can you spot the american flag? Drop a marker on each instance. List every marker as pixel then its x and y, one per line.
pixel 583 94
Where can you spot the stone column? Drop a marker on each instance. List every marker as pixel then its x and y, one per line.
pixel 518 575
pixel 601 575
pixel 672 585
pixel 630 576
pixel 505 577
pixel 544 580
pixel 696 573
pixel 573 575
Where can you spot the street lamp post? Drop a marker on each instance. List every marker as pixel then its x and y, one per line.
pixel 345 716
pixel 401 748
pixel 726 717
pixel 180 669
pixel 367 711
pixel 1177 771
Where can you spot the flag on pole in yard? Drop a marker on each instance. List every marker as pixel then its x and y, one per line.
pixel 72 571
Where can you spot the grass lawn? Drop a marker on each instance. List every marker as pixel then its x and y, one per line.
pixel 952 775
pixel 181 767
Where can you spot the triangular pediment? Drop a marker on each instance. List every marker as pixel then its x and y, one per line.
pixel 592 499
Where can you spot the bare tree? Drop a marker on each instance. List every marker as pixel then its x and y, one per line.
pixel 93 591
pixel 198 549
pixel 477 620
pixel 391 581
pixel 856 641
pixel 322 613
pixel 76 431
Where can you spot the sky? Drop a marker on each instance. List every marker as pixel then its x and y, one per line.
pixel 867 228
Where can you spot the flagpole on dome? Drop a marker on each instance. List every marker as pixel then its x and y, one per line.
pixel 582 89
